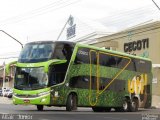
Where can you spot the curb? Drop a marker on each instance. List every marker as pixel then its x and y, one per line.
pixel 5 100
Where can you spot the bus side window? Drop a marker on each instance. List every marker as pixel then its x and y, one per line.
pixel 67 51
pixel 142 66
pixel 93 57
pixel 57 73
pixel 122 63
pixel 131 66
pixel 107 60
pixel 58 54
pixel 112 61
pixel 79 82
pixel 103 59
pixel 82 56
pixel 52 76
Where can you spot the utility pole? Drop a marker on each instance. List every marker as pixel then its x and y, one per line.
pixel 63 27
pixel 4 68
pixel 4 77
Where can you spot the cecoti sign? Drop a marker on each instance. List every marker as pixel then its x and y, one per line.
pixel 136 45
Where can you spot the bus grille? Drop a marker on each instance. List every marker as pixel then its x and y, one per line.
pixel 26 96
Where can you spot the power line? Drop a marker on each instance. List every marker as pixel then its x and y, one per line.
pixel 8 57
pixel 9 53
pixel 40 11
pixel 130 13
pixel 128 17
pixel 156 4
pixel 33 11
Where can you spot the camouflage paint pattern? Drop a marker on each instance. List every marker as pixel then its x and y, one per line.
pixel 107 98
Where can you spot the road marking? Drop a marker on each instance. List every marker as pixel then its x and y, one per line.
pixel 111 118
pixel 3 113
pixel 44 119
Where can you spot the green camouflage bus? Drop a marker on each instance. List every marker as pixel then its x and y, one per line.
pixel 75 75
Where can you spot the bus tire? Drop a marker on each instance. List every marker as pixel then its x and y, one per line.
pixel 71 102
pixel 40 107
pixel 134 105
pixel 126 105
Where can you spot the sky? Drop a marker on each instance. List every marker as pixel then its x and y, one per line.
pixel 34 20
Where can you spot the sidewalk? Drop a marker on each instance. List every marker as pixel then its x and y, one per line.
pixel 5 100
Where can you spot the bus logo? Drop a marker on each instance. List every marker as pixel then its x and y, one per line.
pixel 80 52
pixel 136 85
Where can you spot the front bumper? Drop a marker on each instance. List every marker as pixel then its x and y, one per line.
pixel 40 100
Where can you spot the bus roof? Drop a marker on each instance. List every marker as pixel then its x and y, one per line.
pixel 112 51
pixel 93 47
pixel 51 42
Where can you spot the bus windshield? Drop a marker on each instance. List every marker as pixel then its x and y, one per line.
pixel 43 51
pixel 36 52
pixel 30 78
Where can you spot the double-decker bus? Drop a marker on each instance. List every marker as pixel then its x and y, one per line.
pixel 75 75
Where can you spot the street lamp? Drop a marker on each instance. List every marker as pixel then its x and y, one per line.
pixel 4 62
pixel 12 37
pixel 4 78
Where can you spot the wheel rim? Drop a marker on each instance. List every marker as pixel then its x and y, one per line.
pixel 72 102
pixel 125 105
pixel 133 105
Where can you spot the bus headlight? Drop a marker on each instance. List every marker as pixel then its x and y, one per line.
pixel 43 100
pixel 14 100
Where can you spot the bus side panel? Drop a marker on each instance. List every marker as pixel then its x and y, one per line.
pixel 140 84
pixel 146 97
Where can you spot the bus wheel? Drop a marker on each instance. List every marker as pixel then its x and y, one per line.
pixel 40 107
pixel 134 105
pixel 71 102
pixel 126 105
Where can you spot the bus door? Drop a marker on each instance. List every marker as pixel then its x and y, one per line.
pixel 93 82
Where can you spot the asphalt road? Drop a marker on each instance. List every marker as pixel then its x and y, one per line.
pixel 19 112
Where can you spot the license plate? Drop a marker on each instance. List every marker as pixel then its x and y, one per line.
pixel 26 101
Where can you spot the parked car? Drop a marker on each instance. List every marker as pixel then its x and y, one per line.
pixel 1 92
pixel 10 93
pixel 7 92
